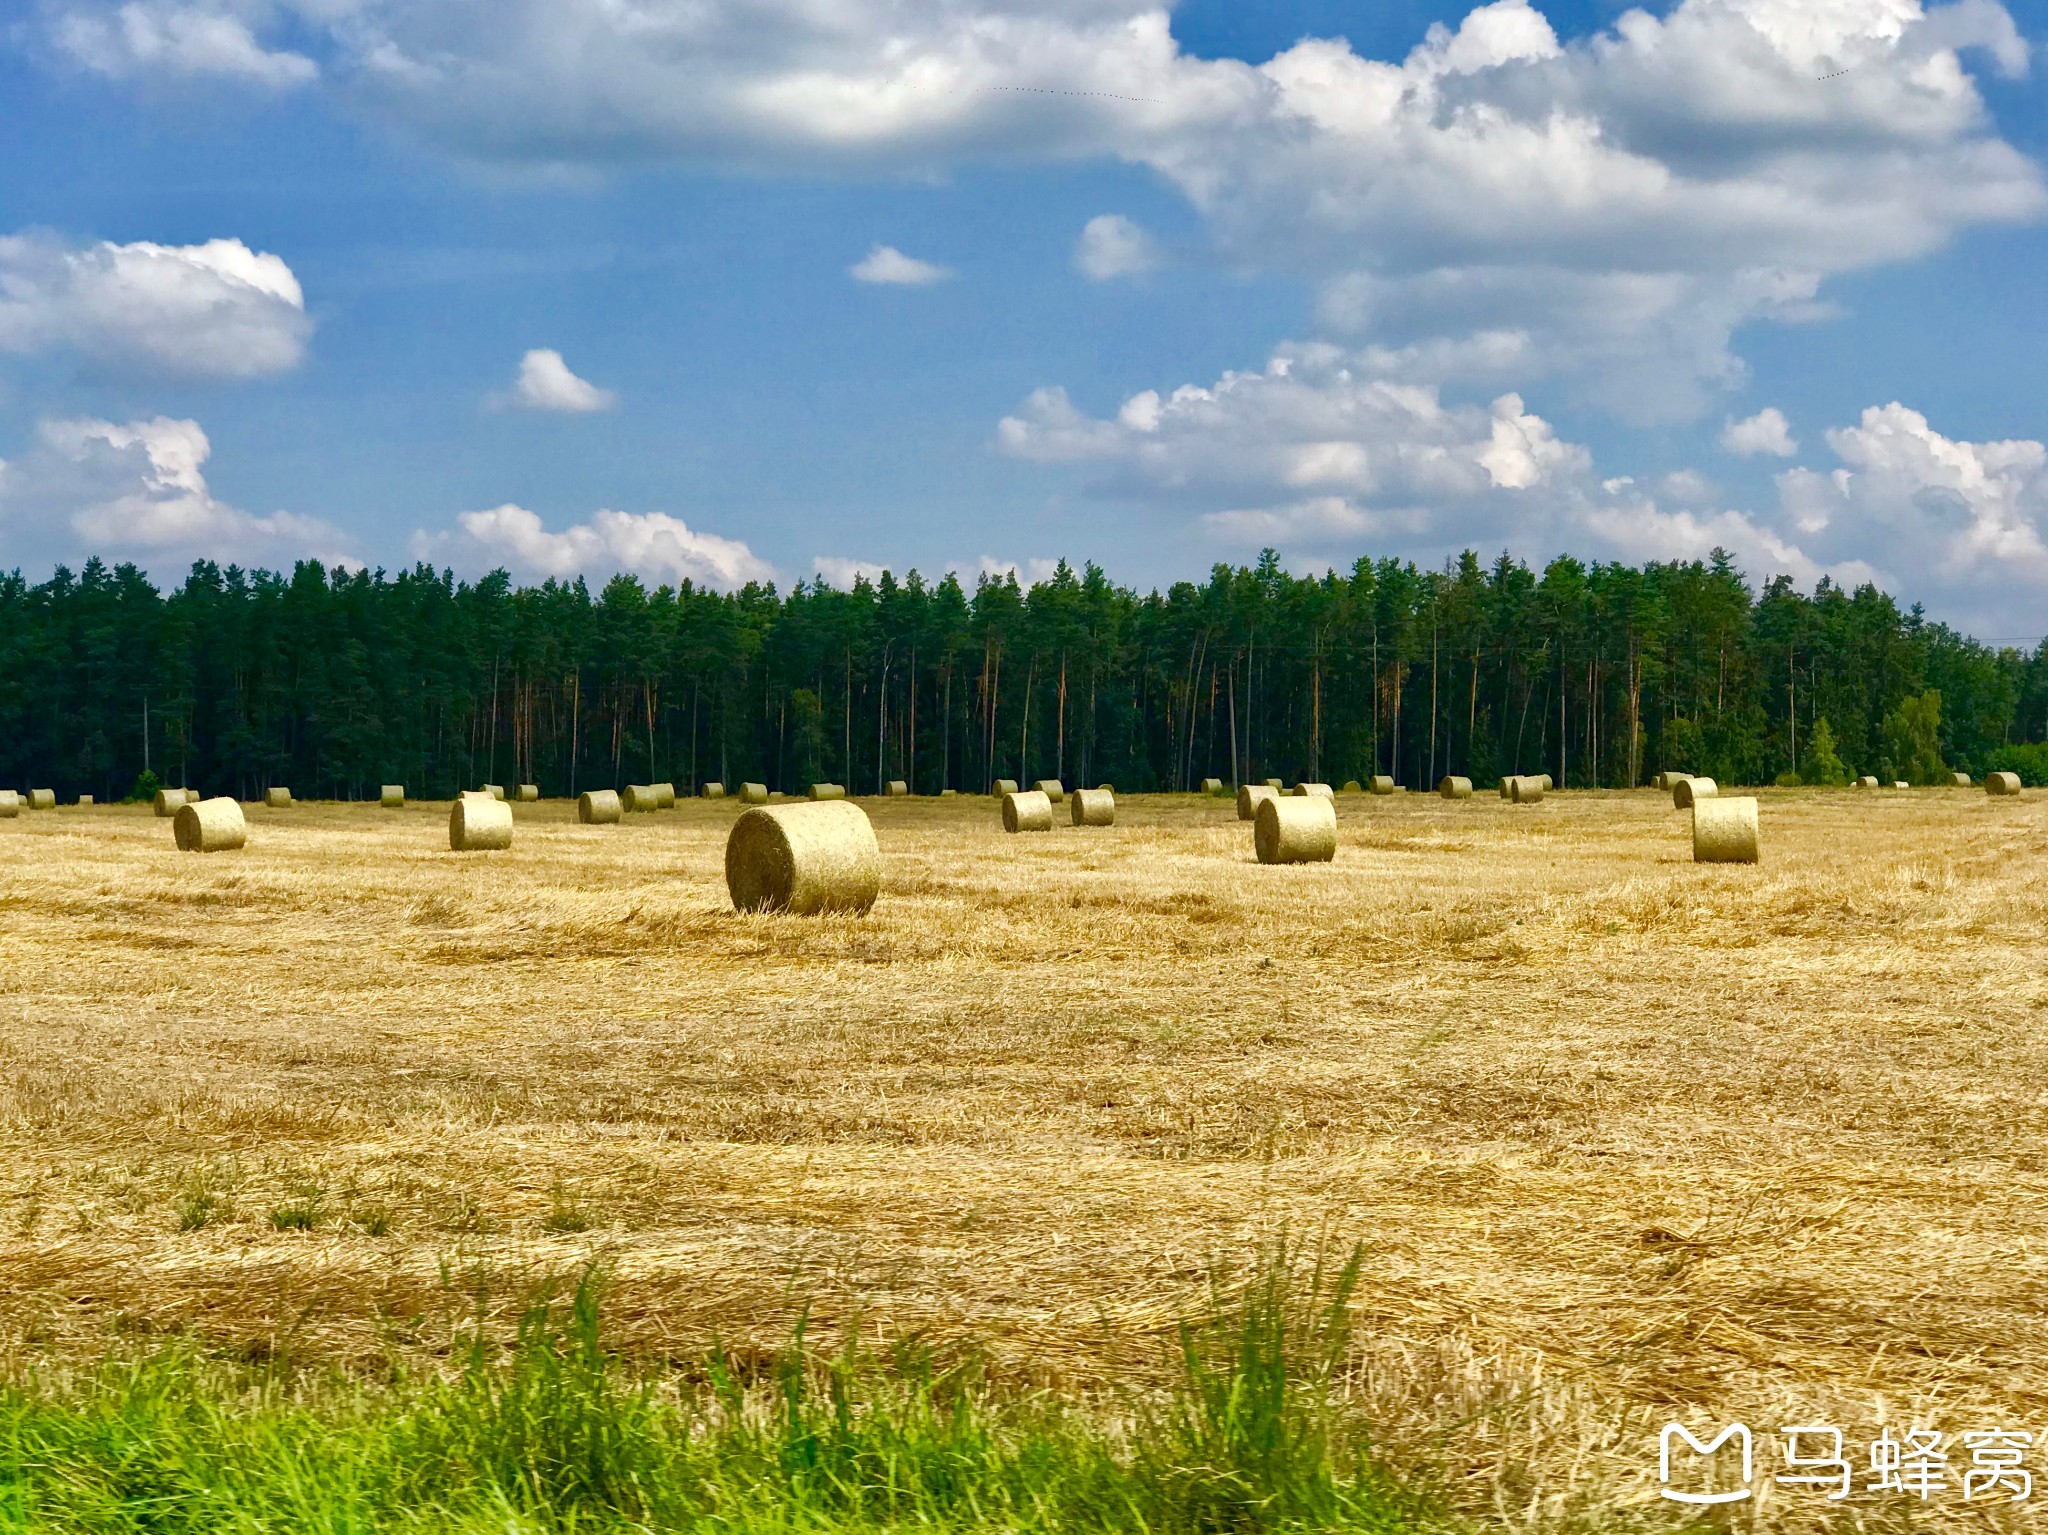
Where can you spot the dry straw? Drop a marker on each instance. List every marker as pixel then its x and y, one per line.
pixel 753 794
pixel 898 789
pixel 1295 830
pixel 1249 797
pixel 209 826
pixel 42 799
pixel 1212 786
pixel 392 796
pixel 1093 807
pixel 1004 786
pixel 529 793
pixel 820 791
pixel 1380 783
pixel 1051 788
pixel 2001 783
pixel 168 800
pixel 1525 789
pixel 1724 830
pixel 717 791
pixel 1314 791
pixel 276 798
pixel 1455 787
pixel 1690 790
pixel 1027 810
pixel 479 825
pixel 803 859
pixel 599 807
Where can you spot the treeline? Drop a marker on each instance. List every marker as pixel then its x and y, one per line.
pixel 333 682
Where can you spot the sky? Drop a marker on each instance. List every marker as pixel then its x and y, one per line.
pixel 735 290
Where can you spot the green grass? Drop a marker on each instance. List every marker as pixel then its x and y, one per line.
pixel 555 1434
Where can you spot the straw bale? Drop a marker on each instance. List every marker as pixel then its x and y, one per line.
pixel 167 802
pixel 1298 829
pixel 85 800
pixel 391 796
pixel 495 790
pixel 42 799
pixel 1527 789
pixel 209 826
pixel 640 799
pixel 1455 787
pixel 1027 810
pixel 1352 786
pixel 479 825
pixel 1688 790
pixel 898 789
pixel 753 794
pixel 1961 780
pixel 1314 791
pixel 804 859
pixel 1212 786
pixel 1867 781
pixel 664 795
pixel 10 804
pixel 1724 830
pixel 1901 784
pixel 1249 797
pixel 1051 788
pixel 821 791
pixel 1093 807
pixel 949 794
pixel 276 798
pixel 1507 786
pixel 1277 785
pixel 1544 779
pixel 2001 783
pixel 599 807
pixel 529 793
pixel 1004 786
pixel 1380 783
pixel 713 791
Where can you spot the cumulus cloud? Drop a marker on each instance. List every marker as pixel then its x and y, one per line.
pixel 650 544
pixel 137 490
pixel 177 40
pixel 1765 432
pixel 842 573
pixel 887 265
pixel 545 383
pixel 217 310
pixel 1111 246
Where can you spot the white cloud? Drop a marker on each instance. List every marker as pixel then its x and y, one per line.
pixel 842 573
pixel 887 265
pixel 1112 246
pixel 1765 432
pixel 176 39
pixel 217 310
pixel 650 544
pixel 138 490
pixel 1028 573
pixel 545 383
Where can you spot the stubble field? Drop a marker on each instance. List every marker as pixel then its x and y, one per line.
pixel 1624 1138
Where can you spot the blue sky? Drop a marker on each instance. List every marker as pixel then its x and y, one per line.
pixel 1551 278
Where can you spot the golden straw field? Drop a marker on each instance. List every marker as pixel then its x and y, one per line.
pixel 1624 1137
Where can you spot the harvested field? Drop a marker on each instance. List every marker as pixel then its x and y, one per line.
pixel 1625 1137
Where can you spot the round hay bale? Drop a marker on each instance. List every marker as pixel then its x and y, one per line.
pixel 1027 810
pixel 277 799
pixel 1380 783
pixel 479 825
pixel 1525 789
pixel 712 791
pixel 529 793
pixel 1212 786
pixel 1507 786
pixel 2001 783
pixel 1278 786
pixel 1249 797
pixel 1352 786
pixel 1867 781
pixel 1544 779
pixel 1093 807
pixel 495 790
pixel 753 794
pixel 1901 783
pixel 898 789
pixel 640 799
pixel 820 791
pixel 1689 790
pixel 949 794
pixel 167 802
pixel 1724 830
pixel 1455 787
pixel 599 807
pixel 392 796
pixel 42 799
pixel 209 826
pixel 1051 788
pixel 1314 791
pixel 86 801
pixel 665 795
pixel 1295 830
pixel 10 804
pixel 803 859
pixel 1004 786
pixel 1961 780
